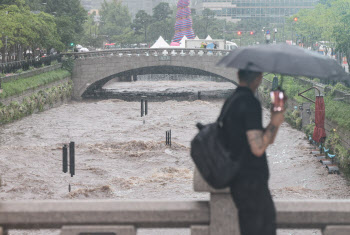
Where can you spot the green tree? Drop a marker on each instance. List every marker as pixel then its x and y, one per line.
pixel 341 30
pixel 141 22
pixel 116 20
pixel 92 35
pixel 203 24
pixel 70 17
pixel 163 28
pixel 162 11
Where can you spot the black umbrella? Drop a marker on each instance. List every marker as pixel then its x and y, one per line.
pixel 287 60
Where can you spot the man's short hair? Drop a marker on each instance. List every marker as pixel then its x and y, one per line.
pixel 247 75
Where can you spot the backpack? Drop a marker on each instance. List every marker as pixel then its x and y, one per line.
pixel 212 158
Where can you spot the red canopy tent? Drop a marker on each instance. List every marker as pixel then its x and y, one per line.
pixel 319 131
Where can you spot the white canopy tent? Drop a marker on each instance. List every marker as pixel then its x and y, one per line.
pixel 208 38
pixel 182 42
pixel 160 43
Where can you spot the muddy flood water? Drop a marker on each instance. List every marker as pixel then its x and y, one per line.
pixel 120 157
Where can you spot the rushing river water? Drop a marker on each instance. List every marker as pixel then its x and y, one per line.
pixel 118 156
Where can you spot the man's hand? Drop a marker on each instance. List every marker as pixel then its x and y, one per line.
pixel 277 118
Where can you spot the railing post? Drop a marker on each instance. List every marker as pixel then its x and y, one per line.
pixel 336 230
pixel 223 212
pixel 97 229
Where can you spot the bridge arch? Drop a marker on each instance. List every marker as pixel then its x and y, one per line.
pixel 131 75
pixel 93 70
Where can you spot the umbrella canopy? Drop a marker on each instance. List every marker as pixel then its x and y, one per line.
pixel 286 60
pixel 210 46
pixel 319 131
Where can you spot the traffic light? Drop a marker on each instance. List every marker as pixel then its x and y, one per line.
pixel 72 44
pixel 295 19
pixel 239 33
pixel 251 33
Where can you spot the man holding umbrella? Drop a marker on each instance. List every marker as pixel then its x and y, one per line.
pixel 243 127
pixel 243 124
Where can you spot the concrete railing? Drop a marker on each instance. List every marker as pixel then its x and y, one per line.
pixel 216 217
pixel 161 52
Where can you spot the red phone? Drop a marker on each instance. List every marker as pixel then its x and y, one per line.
pixel 277 100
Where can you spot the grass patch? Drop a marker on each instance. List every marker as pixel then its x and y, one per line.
pixel 17 87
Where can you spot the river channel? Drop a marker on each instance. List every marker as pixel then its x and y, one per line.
pixel 122 156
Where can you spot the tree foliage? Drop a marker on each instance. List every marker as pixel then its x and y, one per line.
pixel 30 24
pixel 162 11
pixel 329 21
pixel 141 22
pixel 116 21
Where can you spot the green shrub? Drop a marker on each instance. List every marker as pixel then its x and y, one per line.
pixel 309 130
pixel 68 64
pixel 37 101
pixel 341 87
pixel 333 142
pixel 298 123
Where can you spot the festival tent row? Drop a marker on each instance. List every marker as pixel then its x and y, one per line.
pixel 161 43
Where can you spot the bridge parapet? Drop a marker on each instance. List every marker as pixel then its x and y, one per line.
pixel 149 52
pixel 215 217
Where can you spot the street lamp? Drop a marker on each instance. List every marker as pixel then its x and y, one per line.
pixel 239 33
pixel 294 20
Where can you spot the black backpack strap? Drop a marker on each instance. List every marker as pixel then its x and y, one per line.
pixel 225 109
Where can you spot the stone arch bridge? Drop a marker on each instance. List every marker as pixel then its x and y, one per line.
pixel 94 69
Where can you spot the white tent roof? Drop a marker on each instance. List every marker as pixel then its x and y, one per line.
pixel 182 42
pixel 196 38
pixel 160 43
pixel 208 38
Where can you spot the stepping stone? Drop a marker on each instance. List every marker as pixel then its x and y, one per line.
pixel 326 162
pixel 321 157
pixel 333 169
pixel 315 152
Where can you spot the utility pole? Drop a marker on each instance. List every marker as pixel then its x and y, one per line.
pixel 5 49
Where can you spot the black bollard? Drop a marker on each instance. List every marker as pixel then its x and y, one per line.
pixel 69 188
pixel 142 111
pixel 71 159
pixel 166 137
pixel 146 107
pixel 199 95
pixel 65 159
pixel 170 138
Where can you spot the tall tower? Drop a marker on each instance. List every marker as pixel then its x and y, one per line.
pixel 183 25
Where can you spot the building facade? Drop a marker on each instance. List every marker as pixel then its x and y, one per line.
pixel 133 5
pixel 269 10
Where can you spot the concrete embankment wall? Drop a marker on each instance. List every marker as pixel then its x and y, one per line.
pixel 37 99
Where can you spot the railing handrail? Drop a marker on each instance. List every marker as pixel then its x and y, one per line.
pixel 55 214
pixel 141 50
pixel 32 59
pixel 159 214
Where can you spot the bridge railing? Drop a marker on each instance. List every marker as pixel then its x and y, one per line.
pixel 215 217
pixel 149 52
